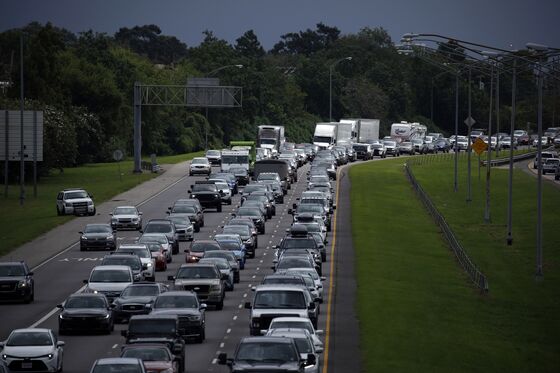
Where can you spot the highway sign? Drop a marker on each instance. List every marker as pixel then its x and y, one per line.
pixel 10 135
pixel 470 122
pixel 479 146
pixel 118 155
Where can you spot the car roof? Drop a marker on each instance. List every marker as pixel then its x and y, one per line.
pixel 292 318
pixel 278 287
pixel 24 330
pixel 74 190
pixel 266 339
pixel 118 360
pixel 111 267
pixel 178 293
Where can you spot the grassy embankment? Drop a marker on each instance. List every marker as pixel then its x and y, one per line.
pixel 38 215
pixel 418 311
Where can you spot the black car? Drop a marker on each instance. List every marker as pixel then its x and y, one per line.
pixel 16 282
pixel 85 312
pixel 255 214
pixel 267 354
pixel 162 329
pixel 98 236
pixel 135 298
pixel 166 227
pixel 241 175
pixel 207 193
pixel 193 211
pixel 246 235
pixel 184 304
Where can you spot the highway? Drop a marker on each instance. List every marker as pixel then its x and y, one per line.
pixel 64 274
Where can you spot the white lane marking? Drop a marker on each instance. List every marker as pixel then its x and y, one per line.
pixel 245 295
pixel 254 276
pixel 228 331
pixel 235 317
pixel 115 345
pixel 264 254
pixel 214 361
pixel 261 260
pixel 249 286
pixel 222 345
pixel 240 306
pixel 51 312
pixel 258 268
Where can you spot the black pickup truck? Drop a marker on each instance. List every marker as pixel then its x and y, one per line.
pixel 207 194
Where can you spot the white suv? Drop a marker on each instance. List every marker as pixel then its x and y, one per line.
pixel 74 201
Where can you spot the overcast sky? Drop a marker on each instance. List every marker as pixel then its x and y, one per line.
pixel 500 23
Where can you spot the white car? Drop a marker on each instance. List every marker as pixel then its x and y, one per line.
pixel 297 323
pixel 74 201
pixel 145 255
pixel 161 239
pixel 110 280
pixel 200 165
pixel 32 349
pixel 124 217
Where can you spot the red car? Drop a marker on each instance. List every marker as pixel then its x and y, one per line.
pixel 156 357
pixel 197 249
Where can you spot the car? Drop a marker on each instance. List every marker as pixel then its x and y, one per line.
pixel 33 349
pixel 16 282
pixel 266 354
pixel 98 236
pixel 74 201
pixel 244 231
pixel 255 214
pixel 86 313
pixel 132 261
pixel 430 145
pixel 407 147
pixel 191 315
pixel 277 190
pixel 233 243
pixel 193 209
pixel 183 226
pixel 462 143
pixel 224 190
pixel 207 193
pixel 158 254
pixel 166 227
pixel 118 364
pixel 229 178
pixel 443 145
pixel 224 267
pixel 157 329
pixel 155 357
pixel 379 150
pixel 304 342
pixel 269 208
pixel 197 249
pixel 297 323
pixel 545 156
pixel 136 299
pixel 419 146
pixel 200 165
pixel 145 255
pixel 204 279
pixel 248 222
pixel 391 148
pixel 160 239
pixel 110 280
pixel 241 175
pixel 126 217
pixel 214 156
pixel 230 257
pixel 550 165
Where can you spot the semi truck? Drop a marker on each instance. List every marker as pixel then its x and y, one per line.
pixel 367 130
pixel 405 131
pixel 325 135
pixel 271 137
pixel 346 131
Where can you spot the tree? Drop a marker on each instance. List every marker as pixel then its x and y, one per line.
pixel 248 45
pixel 364 99
pixel 307 42
pixel 147 41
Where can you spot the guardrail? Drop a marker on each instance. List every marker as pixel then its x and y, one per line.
pixel 477 277
pixel 502 161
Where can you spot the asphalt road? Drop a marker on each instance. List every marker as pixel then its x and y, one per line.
pixel 63 275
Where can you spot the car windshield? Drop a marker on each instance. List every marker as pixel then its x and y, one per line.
pixel 148 354
pixel 157 228
pixel 132 262
pixel 266 176
pixel 306 243
pixel 248 212
pixel 253 187
pixel 196 272
pixel 204 188
pixel 221 264
pixel 229 245
pixel 280 299
pixel 85 302
pixel 216 254
pixel 238 171
pixel 283 280
pixel 199 161
pixel 98 228
pixel 241 230
pixel 292 324
pixel 303 345
pixel 8 270
pixel 140 252
pixel 389 143
pixel 179 220
pixel 241 159
pixel 78 194
pixel 312 273
pixel 287 263
pixel 222 186
pixel 140 291
pixel 157 327
pixel 176 301
pixel 213 152
pixel 183 209
pixel 125 211
pixel 110 276
pixel 30 338
pixel 117 368
pixel 155 238
pixel 201 247
pixel 267 351
pixel 310 207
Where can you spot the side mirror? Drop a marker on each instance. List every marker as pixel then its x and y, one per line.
pixel 334 207
pixel 294 206
pixel 311 359
pixel 30 273
pixel 59 306
pixel 85 281
pixel 222 358
pixel 323 278
pixel 319 349
pixel 168 212
pixel 144 266
pixel 60 344
pixel 140 213
pixel 319 332
pixel 248 305
pixel 124 333
pixel 311 305
pixel 290 211
pixel 111 214
pixel 170 278
pixel 80 232
pixel 202 306
pixel 189 191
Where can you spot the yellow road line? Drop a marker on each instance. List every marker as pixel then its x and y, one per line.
pixel 329 303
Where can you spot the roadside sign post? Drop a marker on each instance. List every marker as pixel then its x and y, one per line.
pixel 479 146
pixel 118 156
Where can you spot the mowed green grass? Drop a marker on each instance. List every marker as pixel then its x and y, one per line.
pixel 417 309
pixel 38 215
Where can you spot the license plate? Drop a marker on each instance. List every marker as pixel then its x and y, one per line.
pixel 27 365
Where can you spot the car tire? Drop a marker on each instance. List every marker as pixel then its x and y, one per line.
pixel 219 207
pixel 229 202
pixel 58 212
pixel 201 337
pixel 220 305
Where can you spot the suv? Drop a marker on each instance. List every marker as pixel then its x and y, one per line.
pixel 204 279
pixel 267 354
pixel 207 193
pixel 16 281
pixel 272 301
pixel 200 165
pixel 166 227
pixel 162 329
pixel 143 252
pixel 74 201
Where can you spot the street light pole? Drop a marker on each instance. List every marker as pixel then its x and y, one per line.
pixel 22 146
pixel 497 113
pixel 455 180
pixel 489 150
pixel 469 186
pixel 331 67
pixel 509 237
pixel 539 273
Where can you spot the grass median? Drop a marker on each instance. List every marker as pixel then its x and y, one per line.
pixel 20 224
pixel 418 310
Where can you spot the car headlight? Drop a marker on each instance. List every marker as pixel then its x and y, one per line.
pixel 109 238
pixel 106 317
pixel 50 356
pixel 149 265
pixel 68 204
pixel 134 219
pixel 216 287
pixel 194 318
pixel 84 238
pixel 4 357
pixel 90 203
pixel 22 284
pixel 114 220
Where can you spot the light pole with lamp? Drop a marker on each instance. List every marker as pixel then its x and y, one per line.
pixel 207 122
pixel 330 83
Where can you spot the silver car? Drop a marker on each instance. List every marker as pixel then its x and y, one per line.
pixel 126 217
pixel 34 350
pixel 183 226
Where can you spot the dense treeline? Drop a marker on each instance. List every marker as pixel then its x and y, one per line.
pixel 84 83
